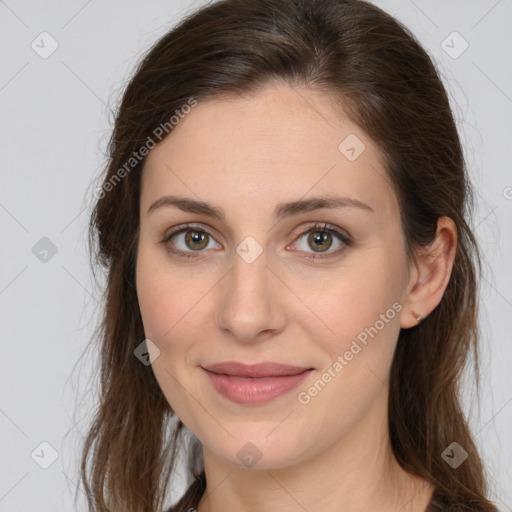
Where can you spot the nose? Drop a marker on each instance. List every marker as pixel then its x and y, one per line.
pixel 251 301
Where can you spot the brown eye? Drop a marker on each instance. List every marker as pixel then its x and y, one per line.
pixel 187 240
pixel 195 240
pixel 190 241
pixel 320 240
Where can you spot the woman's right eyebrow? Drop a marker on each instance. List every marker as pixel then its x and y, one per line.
pixel 282 210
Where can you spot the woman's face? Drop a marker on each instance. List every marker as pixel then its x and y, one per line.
pixel 242 287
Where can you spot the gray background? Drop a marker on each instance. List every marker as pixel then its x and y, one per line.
pixel 54 125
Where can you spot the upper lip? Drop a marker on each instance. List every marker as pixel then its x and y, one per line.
pixel 269 369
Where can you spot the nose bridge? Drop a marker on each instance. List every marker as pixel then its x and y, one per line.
pixel 250 267
pixel 249 302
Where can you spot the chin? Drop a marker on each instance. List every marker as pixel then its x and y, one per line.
pixel 253 450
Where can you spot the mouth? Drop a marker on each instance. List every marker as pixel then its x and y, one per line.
pixel 254 384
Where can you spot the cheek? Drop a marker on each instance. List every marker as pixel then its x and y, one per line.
pixel 171 302
pixel 153 301
pixel 160 293
pixel 363 310
pixel 362 307
pixel 170 306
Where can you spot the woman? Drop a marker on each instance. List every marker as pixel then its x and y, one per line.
pixel 291 275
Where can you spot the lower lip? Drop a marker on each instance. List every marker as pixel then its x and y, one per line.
pixel 245 390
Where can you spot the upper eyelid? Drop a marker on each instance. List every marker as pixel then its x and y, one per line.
pixel 187 227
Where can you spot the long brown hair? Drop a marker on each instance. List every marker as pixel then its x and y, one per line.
pixel 389 86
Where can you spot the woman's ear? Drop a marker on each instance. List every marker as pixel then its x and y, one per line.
pixel 433 268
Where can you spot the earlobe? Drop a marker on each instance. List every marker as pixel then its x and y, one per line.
pixel 418 316
pixel 433 270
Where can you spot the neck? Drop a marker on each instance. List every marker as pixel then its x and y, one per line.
pixel 357 473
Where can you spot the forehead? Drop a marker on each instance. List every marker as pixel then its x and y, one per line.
pixel 283 143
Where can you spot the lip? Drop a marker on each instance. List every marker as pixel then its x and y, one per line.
pixel 254 384
pixel 270 369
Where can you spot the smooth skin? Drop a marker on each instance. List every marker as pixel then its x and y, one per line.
pixel 246 155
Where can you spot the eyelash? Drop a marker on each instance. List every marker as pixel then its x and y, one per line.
pixel 346 240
